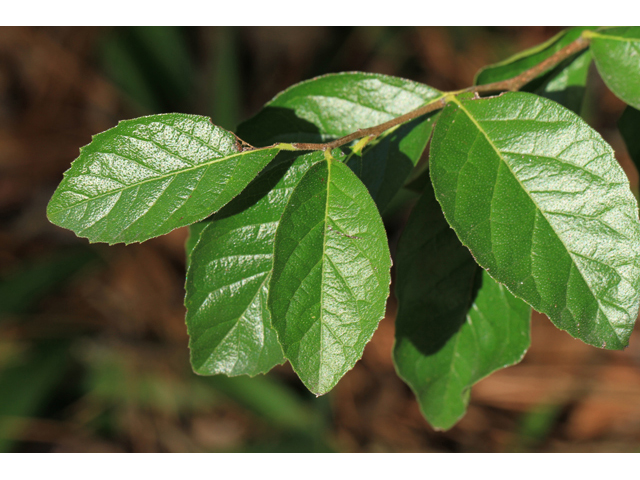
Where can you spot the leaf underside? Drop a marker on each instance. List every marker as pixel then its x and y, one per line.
pixel 150 175
pixel 330 281
pixel 455 324
pixel 539 199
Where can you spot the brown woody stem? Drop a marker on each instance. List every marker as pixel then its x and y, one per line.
pixel 512 84
pixel 373 131
pixel 516 83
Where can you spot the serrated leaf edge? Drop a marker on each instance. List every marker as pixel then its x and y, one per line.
pixel 569 252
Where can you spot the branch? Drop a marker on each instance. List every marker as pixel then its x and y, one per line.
pixel 374 131
pixel 519 81
pixel 512 84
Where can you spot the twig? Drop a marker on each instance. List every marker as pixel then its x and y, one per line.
pixel 374 131
pixel 519 81
pixel 512 84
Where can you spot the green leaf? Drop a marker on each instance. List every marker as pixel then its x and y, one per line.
pixel 331 106
pixel 616 52
pixel 150 175
pixel 231 258
pixel 526 59
pixel 331 278
pixel 629 126
pixel 455 324
pixel 565 83
pixel 194 236
pixel 386 164
pixel 538 197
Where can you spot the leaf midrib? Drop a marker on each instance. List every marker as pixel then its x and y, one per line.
pixel 161 177
pixel 322 272
pixel 542 212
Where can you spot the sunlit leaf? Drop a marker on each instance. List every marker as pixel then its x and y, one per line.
pixel 538 197
pixel 617 55
pixel 231 260
pixel 331 278
pixel 150 175
pixel 334 105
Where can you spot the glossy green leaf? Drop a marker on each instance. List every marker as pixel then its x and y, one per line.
pixel 616 52
pixel 331 106
pixel 331 277
pixel 565 83
pixel 194 236
pixel 455 324
pixel 538 197
pixel 231 258
pixel 150 175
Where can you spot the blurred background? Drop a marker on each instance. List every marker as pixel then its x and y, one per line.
pixel 93 345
